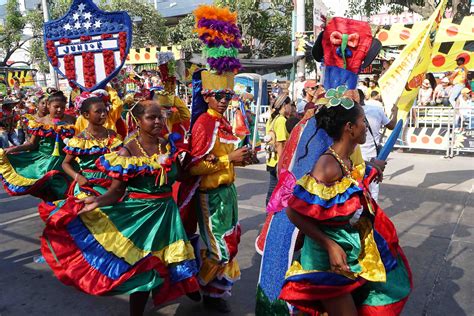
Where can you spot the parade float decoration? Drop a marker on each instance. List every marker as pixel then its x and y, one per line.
pixel 88 46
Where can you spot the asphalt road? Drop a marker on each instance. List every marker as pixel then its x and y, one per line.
pixel 428 198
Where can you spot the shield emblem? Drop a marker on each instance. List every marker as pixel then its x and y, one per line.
pixel 88 46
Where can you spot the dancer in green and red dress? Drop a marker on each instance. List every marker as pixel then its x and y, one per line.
pixel 35 167
pixel 129 240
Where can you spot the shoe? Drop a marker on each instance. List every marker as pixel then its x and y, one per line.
pixel 195 296
pixel 216 303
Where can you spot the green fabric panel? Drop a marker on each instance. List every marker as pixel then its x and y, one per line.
pixel 151 224
pixel 43 163
pixel 222 204
pixel 314 257
pixel 142 282
pixel 395 289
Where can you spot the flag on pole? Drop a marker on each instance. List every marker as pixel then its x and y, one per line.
pixel 400 84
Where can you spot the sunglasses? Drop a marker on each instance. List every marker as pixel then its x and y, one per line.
pixel 221 95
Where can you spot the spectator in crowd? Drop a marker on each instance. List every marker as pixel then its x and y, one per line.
pixel 373 86
pixel 298 88
pixel 276 137
pixel 376 119
pixel 458 78
pixel 276 89
pixel 463 108
pixel 425 94
pixel 8 121
pixel 309 89
pixel 363 87
pixel 441 92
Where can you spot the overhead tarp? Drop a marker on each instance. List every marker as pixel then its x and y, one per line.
pixel 260 66
pixel 451 41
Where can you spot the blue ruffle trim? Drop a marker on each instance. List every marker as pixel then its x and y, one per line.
pixel 129 171
pixel 183 270
pixel 322 278
pixel 309 198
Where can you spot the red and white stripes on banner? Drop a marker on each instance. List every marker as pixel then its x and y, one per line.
pixel 104 63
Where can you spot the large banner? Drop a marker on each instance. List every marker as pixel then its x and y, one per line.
pixel 88 46
pixel 452 41
pixel 400 84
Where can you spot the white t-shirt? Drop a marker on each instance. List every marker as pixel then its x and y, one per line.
pixel 377 119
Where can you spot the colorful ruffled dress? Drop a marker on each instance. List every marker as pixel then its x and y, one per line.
pixel 380 277
pixel 137 244
pixel 38 172
pixel 87 151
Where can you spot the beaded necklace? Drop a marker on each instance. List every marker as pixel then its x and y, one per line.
pixel 142 150
pixel 102 141
pixel 347 170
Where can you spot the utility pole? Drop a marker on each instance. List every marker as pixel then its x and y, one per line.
pixel 52 72
pixel 300 28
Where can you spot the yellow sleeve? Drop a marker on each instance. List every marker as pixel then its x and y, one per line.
pixel 117 105
pixel 207 167
pixel 81 124
pixel 280 129
pixel 182 114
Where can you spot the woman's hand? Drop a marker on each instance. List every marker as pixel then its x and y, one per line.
pixel 82 181
pixel 90 204
pixel 337 258
pixel 8 150
pixel 379 165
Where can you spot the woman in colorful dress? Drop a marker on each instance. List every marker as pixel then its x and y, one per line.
pixel 129 240
pixel 35 167
pixel 351 262
pixel 94 141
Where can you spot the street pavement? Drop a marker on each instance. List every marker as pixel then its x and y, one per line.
pixel 428 198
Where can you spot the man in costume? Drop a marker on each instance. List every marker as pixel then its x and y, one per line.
pixel 214 155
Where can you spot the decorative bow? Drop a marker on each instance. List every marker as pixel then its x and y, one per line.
pixel 344 41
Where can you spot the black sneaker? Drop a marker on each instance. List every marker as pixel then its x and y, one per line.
pixel 216 303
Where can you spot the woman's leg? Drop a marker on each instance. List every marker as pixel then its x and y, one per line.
pixel 341 305
pixel 138 302
pixel 272 184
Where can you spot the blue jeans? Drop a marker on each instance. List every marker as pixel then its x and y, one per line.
pixel 454 94
pixel 21 136
pixel 272 184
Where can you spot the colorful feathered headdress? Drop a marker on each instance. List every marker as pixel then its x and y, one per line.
pixel 217 29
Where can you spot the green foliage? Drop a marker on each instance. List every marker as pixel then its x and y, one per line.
pixel 265 27
pixel 11 32
pixel 182 34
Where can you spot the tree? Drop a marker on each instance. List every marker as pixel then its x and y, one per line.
pixel 182 34
pixel 265 26
pixel 11 32
pixel 423 7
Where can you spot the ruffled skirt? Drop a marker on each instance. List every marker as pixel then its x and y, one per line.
pixel 34 173
pixel 132 246
pixel 380 277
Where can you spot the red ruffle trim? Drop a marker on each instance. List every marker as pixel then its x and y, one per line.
pixel 306 296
